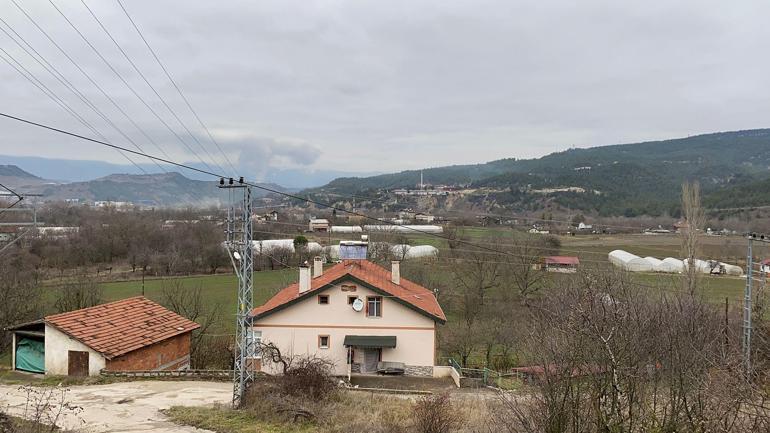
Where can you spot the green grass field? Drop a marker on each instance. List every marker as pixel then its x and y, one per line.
pixel 219 290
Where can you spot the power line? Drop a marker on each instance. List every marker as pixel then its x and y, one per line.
pixel 82 71
pixel 136 68
pixel 123 80
pixel 173 82
pixel 24 72
pixel 62 80
pixel 255 185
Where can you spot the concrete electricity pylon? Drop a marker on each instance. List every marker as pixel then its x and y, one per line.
pixel 238 237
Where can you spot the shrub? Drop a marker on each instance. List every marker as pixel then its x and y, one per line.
pixel 436 414
pixel 309 377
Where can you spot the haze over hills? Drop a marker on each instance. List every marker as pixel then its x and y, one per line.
pixel 69 170
pixel 161 189
pixel 627 179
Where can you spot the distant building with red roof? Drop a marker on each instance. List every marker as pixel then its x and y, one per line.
pixel 567 264
pixel 357 314
pixel 128 335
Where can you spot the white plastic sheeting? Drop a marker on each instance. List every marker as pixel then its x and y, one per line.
pixel 653 261
pixel 702 266
pixel 346 229
pixel 269 245
pixel 670 265
pixel 733 270
pixel 404 228
pixel 406 252
pixel 629 262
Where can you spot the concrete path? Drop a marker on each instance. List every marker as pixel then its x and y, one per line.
pixel 128 406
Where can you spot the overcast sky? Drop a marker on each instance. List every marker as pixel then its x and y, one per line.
pixel 391 85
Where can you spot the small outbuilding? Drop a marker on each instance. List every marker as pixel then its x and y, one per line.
pixel 133 334
pixel 564 264
pixel 319 225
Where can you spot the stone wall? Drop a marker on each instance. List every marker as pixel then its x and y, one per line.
pixel 419 370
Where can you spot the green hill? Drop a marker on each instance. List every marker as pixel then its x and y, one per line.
pixel 627 179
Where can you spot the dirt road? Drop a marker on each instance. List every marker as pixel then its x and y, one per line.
pixel 128 406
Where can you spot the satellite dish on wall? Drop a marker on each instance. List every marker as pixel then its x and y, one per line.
pixel 358 305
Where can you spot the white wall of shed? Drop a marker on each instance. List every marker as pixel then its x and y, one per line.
pixel 57 346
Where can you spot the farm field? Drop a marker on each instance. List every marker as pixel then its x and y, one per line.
pixel 218 289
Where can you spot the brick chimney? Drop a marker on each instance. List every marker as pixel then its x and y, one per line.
pixel 318 267
pixel 395 272
pixel 304 278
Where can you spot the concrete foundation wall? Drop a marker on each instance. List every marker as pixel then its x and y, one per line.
pixel 57 346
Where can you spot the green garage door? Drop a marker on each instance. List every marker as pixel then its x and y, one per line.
pixel 30 355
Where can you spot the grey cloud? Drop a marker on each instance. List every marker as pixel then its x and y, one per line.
pixel 382 86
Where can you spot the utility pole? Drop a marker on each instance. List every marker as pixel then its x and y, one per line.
pixel 238 240
pixel 747 308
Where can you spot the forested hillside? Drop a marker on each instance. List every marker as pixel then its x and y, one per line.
pixel 629 179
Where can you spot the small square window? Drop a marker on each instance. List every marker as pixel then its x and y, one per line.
pixel 323 341
pixel 352 299
pixel 323 299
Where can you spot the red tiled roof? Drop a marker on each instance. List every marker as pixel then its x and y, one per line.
pixel 562 260
pixel 119 327
pixel 407 292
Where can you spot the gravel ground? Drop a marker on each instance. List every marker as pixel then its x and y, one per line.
pixel 128 406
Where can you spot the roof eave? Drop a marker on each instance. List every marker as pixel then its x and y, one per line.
pixel 336 281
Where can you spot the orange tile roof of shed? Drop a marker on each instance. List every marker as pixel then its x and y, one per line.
pixel 119 327
pixel 408 292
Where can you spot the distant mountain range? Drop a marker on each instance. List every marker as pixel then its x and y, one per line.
pixel 164 189
pixel 629 179
pixel 69 170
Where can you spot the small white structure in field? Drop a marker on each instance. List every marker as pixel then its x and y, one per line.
pixel 670 265
pixel 270 245
pixel 346 229
pixel 405 252
pixel 629 262
pixel 404 228
pixel 421 251
pixel 332 252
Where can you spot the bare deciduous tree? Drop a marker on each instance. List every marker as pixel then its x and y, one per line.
pixel 20 297
pixel 82 291
pixel 189 302
pixel 695 219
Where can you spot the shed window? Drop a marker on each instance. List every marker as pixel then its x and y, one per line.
pixel 374 306
pixel 323 341
pixel 323 299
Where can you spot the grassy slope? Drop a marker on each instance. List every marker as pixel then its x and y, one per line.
pixel 219 289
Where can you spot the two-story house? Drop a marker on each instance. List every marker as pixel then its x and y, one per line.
pixel 355 314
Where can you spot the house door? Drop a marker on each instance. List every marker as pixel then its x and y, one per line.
pixel 77 363
pixel 371 358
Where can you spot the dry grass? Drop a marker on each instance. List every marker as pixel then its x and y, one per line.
pixel 345 412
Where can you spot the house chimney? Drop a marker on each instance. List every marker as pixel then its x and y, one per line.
pixel 304 278
pixel 318 267
pixel 395 272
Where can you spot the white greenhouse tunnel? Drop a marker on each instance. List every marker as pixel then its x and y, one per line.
pixel 670 265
